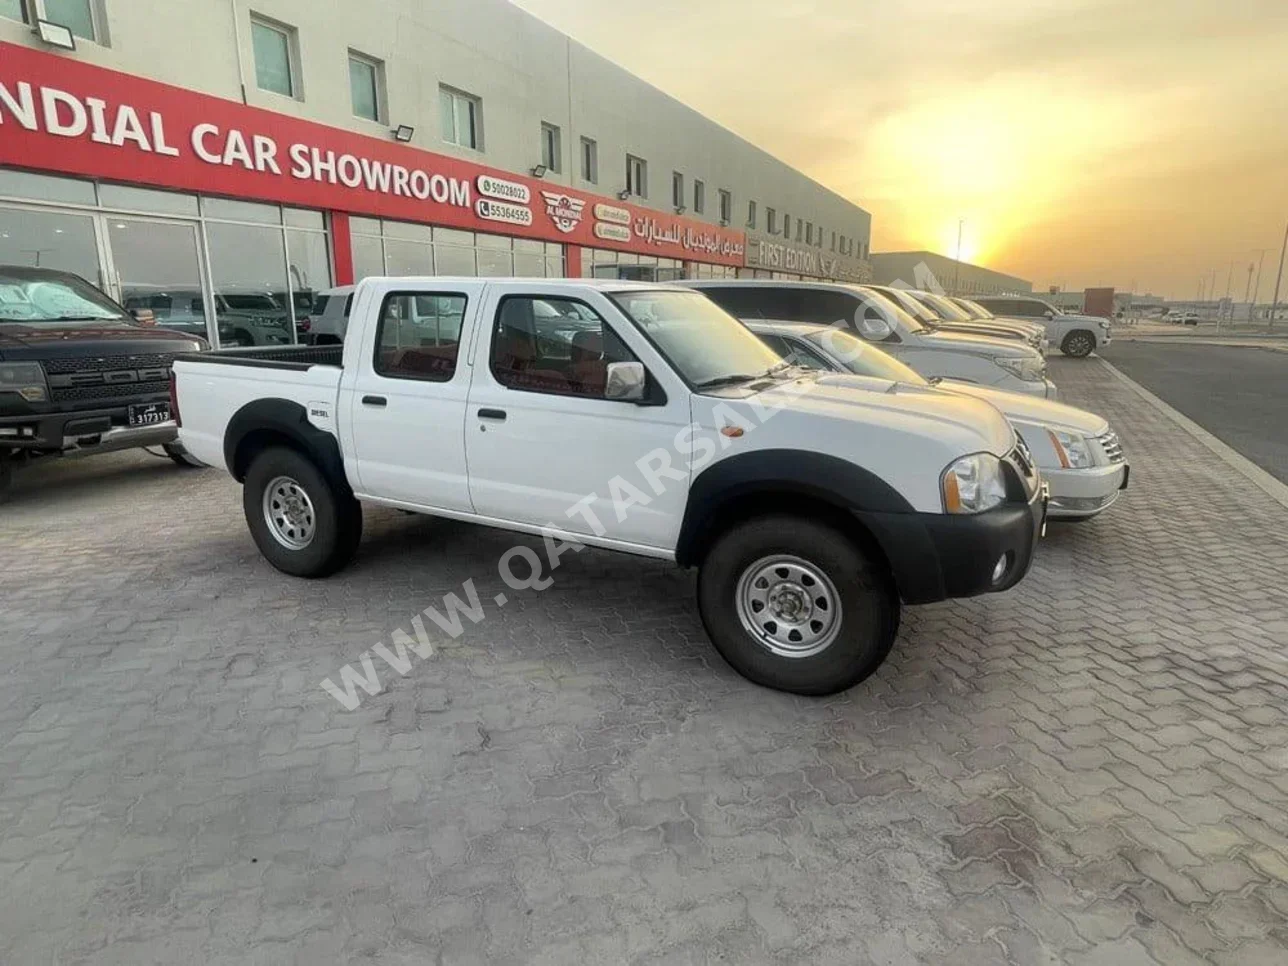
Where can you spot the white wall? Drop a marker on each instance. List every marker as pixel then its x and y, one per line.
pixel 519 66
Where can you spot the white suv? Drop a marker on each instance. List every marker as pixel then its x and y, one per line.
pixel 1076 335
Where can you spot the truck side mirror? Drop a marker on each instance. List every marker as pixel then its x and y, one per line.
pixel 873 327
pixel 625 381
pixel 144 316
pixel 1049 314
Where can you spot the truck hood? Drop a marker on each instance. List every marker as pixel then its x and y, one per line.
pixel 1023 408
pixel 963 423
pixel 1089 319
pixel 18 341
pixel 977 345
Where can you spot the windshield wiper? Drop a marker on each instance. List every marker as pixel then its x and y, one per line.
pixel 730 380
pixel 744 377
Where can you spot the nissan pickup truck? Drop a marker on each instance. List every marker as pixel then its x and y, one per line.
pixel 635 417
pixel 78 373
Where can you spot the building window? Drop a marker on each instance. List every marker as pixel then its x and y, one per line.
pixel 800 229
pixel 726 207
pixel 751 214
pixel 771 221
pixel 462 118
pixel 699 197
pixel 636 176
pixel 551 148
pixel 274 45
pixel 787 225
pixel 677 189
pixel 13 10
pixel 833 241
pixel 81 17
pixel 365 76
pixel 589 161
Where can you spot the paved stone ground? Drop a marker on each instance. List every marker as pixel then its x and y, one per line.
pixel 1089 769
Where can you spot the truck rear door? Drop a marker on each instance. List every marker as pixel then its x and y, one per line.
pixel 410 383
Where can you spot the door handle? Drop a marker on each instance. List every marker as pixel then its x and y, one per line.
pixel 492 414
pixel 374 401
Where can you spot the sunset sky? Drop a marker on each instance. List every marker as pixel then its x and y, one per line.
pixel 1085 142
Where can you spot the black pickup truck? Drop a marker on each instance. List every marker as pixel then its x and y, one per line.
pixel 79 373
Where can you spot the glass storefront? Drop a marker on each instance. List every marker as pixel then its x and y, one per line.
pixel 238 272
pixel 402 248
pixel 604 263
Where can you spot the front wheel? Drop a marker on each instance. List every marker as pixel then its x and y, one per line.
pixel 1078 344
pixel 304 524
pixel 795 605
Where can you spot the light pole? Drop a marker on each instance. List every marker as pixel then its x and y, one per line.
pixel 1274 304
pixel 957 269
pixel 1256 289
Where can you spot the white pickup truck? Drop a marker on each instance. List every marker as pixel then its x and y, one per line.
pixel 639 418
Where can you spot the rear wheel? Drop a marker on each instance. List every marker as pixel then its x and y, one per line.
pixel 795 605
pixel 1078 344
pixel 303 524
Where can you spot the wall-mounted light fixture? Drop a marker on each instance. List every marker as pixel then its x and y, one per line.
pixel 680 209
pixel 623 194
pixel 404 133
pixel 55 34
pixel 539 171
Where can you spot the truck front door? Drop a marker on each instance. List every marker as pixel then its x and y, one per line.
pixel 546 446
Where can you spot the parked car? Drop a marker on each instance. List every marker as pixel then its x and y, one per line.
pixel 79 373
pixel 1177 317
pixel 1076 335
pixel 1079 455
pixel 1001 363
pixel 812 504
pixel 330 315
pixel 938 313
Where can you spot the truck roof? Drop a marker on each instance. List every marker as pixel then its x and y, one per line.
pixel 600 284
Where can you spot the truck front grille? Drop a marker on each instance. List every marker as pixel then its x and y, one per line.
pixel 1112 447
pixel 107 377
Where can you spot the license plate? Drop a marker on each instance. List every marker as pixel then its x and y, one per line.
pixel 148 414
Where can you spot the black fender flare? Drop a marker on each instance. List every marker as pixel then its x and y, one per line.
pixel 817 476
pixel 287 420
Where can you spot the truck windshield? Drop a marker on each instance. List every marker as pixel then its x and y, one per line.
pixel 54 299
pixel 861 358
pixel 975 309
pixel 707 345
pixel 893 307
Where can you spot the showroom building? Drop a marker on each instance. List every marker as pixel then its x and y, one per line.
pixel 223 160
pixel 939 273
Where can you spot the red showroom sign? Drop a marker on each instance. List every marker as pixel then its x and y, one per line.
pixel 58 114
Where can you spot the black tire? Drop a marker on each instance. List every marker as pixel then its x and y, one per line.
pixel 868 605
pixel 6 478
pixel 1078 344
pixel 182 457
pixel 336 515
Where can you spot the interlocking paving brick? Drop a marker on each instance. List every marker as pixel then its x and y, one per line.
pixel 1089 768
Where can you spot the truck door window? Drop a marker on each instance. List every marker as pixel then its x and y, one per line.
pixel 552 345
pixel 419 335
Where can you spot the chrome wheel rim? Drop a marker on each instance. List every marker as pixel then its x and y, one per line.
pixel 289 513
pixel 1081 345
pixel 789 606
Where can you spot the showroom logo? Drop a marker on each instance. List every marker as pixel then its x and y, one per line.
pixel 564 210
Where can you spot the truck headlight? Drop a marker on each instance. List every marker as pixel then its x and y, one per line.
pixel 1073 451
pixel 973 484
pixel 1029 370
pixel 27 379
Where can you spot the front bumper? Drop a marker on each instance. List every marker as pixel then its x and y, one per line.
pixel 1086 492
pixel 93 430
pixel 937 556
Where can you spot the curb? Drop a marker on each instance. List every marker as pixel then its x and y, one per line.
pixel 1268 484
